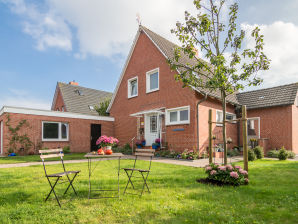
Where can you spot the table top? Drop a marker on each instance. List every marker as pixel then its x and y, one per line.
pixel 91 155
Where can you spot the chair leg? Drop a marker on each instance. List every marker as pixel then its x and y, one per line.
pixel 145 183
pixel 129 180
pixel 70 184
pixel 52 190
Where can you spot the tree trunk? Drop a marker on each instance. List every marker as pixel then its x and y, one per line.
pixel 224 135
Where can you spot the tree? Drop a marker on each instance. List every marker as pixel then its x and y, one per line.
pixel 103 106
pixel 227 66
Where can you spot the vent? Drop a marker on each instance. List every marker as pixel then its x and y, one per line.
pixel 79 92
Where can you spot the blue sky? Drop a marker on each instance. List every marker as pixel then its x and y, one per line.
pixel 43 42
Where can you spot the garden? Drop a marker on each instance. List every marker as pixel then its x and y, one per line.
pixel 176 196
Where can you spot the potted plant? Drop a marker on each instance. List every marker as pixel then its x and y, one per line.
pixel 107 143
pixel 143 142
pixel 139 144
pixel 155 145
pixel 157 141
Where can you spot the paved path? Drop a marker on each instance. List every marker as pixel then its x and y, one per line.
pixel 192 163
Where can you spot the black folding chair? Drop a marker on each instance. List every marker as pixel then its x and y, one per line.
pixel 51 153
pixel 147 154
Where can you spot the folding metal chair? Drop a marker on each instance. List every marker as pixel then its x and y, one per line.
pixel 140 153
pixel 51 153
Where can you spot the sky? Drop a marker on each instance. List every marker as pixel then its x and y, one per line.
pixel 45 41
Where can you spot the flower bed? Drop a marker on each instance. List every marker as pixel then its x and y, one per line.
pixel 225 175
pixel 186 154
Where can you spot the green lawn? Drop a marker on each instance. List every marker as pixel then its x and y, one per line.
pixel 271 197
pixel 36 158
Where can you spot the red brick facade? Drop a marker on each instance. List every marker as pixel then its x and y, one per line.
pixel 79 131
pixel 278 125
pixel 59 103
pixel 144 58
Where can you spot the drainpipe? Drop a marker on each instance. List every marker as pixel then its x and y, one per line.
pixel 201 101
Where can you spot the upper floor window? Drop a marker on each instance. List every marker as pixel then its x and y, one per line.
pixel 54 131
pixel 229 117
pixel 132 87
pixel 152 80
pixel 179 115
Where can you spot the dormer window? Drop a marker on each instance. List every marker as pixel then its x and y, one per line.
pixel 132 87
pixel 152 80
pixel 79 92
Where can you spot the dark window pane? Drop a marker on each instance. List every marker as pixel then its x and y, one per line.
pixel 153 124
pixel 173 116
pixel 184 115
pixel 134 89
pixel 50 130
pixel 154 81
pixel 64 128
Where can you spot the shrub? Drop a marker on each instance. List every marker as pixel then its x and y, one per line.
pixel 251 155
pixel 66 149
pixel 126 149
pixel 259 152
pixel 273 153
pixel 283 154
pixel 233 152
pixel 291 155
pixel 228 174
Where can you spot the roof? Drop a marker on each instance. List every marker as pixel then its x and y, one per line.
pixel 51 113
pixel 79 103
pixel 270 97
pixel 167 47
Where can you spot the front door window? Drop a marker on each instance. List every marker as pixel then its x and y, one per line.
pixel 153 124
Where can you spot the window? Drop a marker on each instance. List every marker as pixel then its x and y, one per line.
pixel 54 131
pixel 79 92
pixel 178 115
pixel 229 117
pixel 91 107
pixel 153 124
pixel 132 87
pixel 152 80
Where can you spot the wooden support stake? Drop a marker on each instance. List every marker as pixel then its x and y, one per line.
pixel 210 136
pixel 245 150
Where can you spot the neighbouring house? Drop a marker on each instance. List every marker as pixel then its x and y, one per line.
pixel 148 103
pixel 77 99
pixel 273 114
pixel 75 124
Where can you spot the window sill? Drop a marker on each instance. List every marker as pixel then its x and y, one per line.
pixel 129 97
pixel 55 140
pixel 151 91
pixel 178 123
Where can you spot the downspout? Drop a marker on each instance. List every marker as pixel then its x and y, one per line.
pixel 198 103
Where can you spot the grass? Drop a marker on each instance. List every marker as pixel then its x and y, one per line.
pixel 36 158
pixel 271 196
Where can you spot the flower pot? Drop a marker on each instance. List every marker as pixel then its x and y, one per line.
pixel 109 147
pixel 139 146
pixel 144 143
pixel 154 146
pixel 109 152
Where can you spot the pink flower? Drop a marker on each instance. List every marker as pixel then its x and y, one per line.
pixel 238 167
pixel 229 167
pixel 222 168
pixel 234 175
pixel 246 180
pixel 208 168
pixel 243 172
pixel 213 172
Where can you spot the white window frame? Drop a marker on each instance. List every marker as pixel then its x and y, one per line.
pixel 148 74
pixel 129 87
pixel 177 109
pixel 59 139
pixel 234 117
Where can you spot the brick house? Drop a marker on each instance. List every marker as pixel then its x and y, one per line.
pixel 149 103
pixel 73 121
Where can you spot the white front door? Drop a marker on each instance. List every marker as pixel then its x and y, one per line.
pixel 151 128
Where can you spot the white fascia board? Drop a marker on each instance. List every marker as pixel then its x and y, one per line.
pixel 50 113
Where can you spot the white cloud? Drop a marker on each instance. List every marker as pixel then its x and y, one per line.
pixel 47 28
pixel 281 47
pixel 22 98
